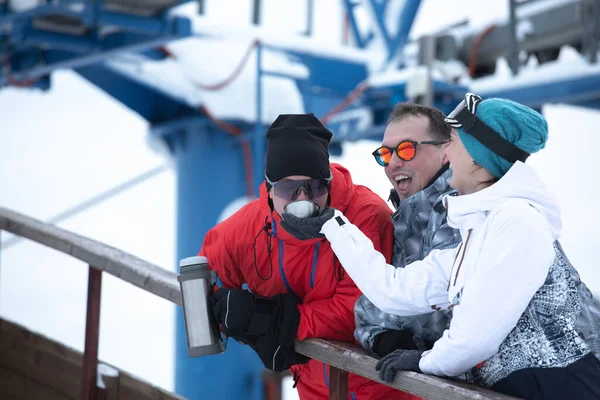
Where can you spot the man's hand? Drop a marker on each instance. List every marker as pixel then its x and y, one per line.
pixel 390 340
pixel 399 360
pixel 233 309
pixel 306 228
pixel 274 356
pixel 241 313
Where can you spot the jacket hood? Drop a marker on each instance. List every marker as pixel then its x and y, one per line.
pixel 341 192
pixel 520 182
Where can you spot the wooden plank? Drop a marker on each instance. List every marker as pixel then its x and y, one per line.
pixel 10 332
pixel 338 384
pixel 36 391
pixel 133 388
pixel 354 359
pixel 16 386
pixel 12 384
pixel 40 359
pixel 129 268
pixel 110 383
pixel 47 368
pixel 59 368
pixel 112 388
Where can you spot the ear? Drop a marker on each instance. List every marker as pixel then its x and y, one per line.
pixel 445 156
pixel 445 159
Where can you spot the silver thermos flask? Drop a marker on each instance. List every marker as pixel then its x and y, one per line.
pixel 196 280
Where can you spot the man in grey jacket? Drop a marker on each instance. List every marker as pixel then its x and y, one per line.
pixel 412 154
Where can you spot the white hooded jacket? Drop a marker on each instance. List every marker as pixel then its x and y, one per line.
pixel 508 232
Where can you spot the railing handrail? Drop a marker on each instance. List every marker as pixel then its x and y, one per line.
pixel 163 283
pixel 125 266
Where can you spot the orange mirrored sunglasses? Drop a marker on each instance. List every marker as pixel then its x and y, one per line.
pixel 406 151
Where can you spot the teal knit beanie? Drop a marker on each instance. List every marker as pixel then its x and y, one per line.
pixel 520 125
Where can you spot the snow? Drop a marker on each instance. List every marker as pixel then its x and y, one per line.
pixel 394 77
pixel 205 26
pixel 59 149
pixel 25 5
pixel 22 5
pixel 105 370
pixel 569 65
pixel 208 61
pixel 536 7
pixel 479 23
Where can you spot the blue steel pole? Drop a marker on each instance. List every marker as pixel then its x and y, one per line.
pixel 210 175
pixel 258 156
pixel 353 23
pixel 407 17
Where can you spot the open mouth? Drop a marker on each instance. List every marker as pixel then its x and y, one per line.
pixel 403 182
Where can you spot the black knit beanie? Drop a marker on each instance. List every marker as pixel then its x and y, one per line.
pixel 298 144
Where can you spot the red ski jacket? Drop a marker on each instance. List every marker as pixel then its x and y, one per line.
pixel 241 251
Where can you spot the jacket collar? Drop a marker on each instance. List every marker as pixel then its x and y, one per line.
pixel 395 199
pixel 520 182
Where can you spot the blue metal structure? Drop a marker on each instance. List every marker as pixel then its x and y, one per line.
pixel 211 162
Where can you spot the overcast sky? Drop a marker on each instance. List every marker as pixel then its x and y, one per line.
pixel 61 147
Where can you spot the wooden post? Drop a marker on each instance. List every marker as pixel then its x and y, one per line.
pixel 111 386
pixel 338 384
pixel 92 330
pixel 272 384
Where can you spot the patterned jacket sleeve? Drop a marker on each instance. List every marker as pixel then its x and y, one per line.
pixel 371 321
pixel 368 323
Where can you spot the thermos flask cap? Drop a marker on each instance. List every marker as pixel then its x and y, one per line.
pixel 195 268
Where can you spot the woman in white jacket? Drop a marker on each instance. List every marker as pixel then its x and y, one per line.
pixel 512 291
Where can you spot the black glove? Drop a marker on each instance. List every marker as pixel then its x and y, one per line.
pixel 241 313
pixel 398 360
pixel 274 356
pixel 390 340
pixel 306 228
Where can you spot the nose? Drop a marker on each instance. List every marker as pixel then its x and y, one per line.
pixel 396 161
pixel 301 194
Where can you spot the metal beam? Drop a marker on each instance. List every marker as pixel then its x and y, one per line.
pixel 349 5
pixel 407 18
pixel 395 43
pixel 513 46
pixel 7 18
pixel 86 51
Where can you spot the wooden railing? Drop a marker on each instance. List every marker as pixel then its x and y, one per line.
pixel 342 357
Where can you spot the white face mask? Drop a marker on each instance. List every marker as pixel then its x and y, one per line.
pixel 302 208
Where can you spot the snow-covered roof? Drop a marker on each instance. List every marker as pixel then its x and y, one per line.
pixel 206 61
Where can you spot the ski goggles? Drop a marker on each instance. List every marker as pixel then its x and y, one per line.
pixel 463 117
pixel 406 151
pixel 289 189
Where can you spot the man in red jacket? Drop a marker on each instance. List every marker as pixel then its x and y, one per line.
pixel 297 288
